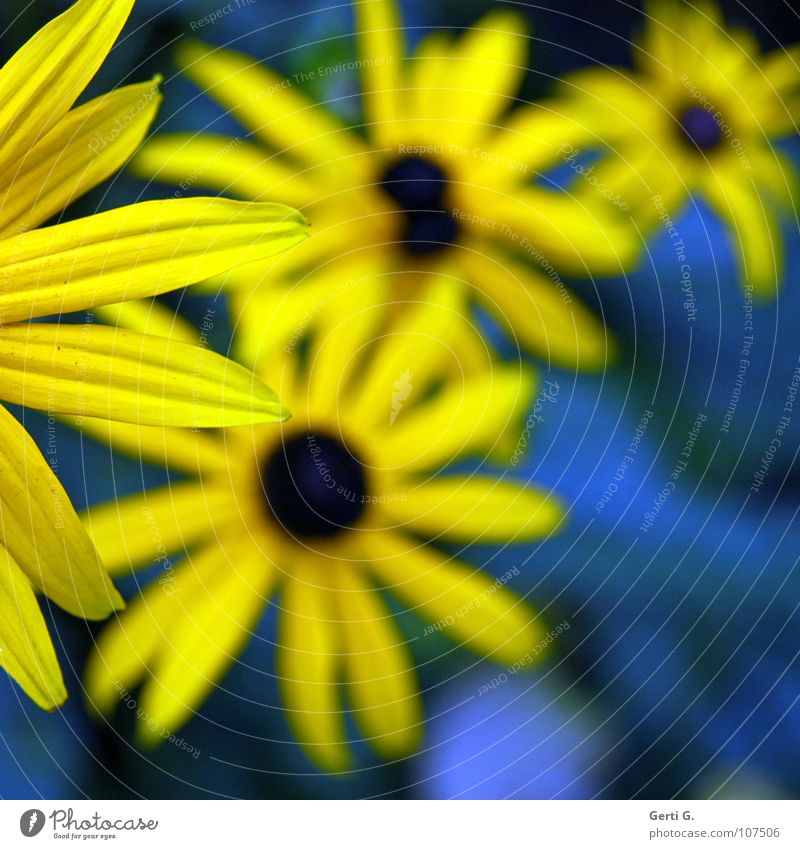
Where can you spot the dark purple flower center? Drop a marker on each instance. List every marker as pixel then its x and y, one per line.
pixel 314 486
pixel 418 186
pixel 700 129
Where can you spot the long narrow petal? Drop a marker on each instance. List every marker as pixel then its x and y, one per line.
pixel 224 164
pixel 381 51
pixel 534 138
pixel 92 370
pixel 469 605
pixel 127 646
pixel 575 235
pixel 26 651
pixel 308 664
pixel 476 509
pixel 136 251
pixel 138 529
pixel 754 228
pixel 151 317
pixel 541 312
pixel 381 683
pixel 344 327
pixel 272 107
pixel 422 345
pixel 483 73
pixel 88 145
pixel 42 80
pixel 427 74
pixel 207 635
pixel 462 419
pixel 42 531
pixel 191 452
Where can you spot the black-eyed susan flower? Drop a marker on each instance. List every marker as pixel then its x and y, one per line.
pixel 50 153
pixel 699 117
pixel 440 180
pixel 320 517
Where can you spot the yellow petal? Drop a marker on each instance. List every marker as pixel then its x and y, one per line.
pixel 139 529
pixel 468 605
pixel 476 509
pixel 777 173
pixel 542 314
pixel 754 227
pixel 151 317
pixel 308 665
pixel 274 109
pixel 381 49
pixel 381 683
pixel 88 145
pixel 534 138
pixel 135 251
pixel 224 164
pixel 483 73
pixel 427 75
pixel 419 350
pixel 575 235
pixel 611 101
pixel 26 651
pixel 344 327
pixel 127 646
pixel 43 78
pixel 462 419
pixel 92 370
pixel 191 452
pixel 206 635
pixel 42 531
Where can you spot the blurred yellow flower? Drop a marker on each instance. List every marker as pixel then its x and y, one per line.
pixel 321 516
pixel 52 153
pixel 444 182
pixel 698 118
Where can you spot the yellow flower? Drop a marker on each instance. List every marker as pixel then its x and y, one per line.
pixel 443 183
pixel 699 116
pixel 50 154
pixel 321 516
